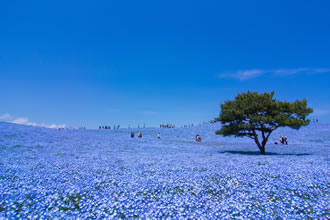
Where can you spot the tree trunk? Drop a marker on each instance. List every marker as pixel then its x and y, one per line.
pixel 261 147
pixel 262 150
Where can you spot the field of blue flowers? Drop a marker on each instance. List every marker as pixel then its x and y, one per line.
pixel 106 174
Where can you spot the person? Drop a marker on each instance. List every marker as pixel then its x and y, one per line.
pixel 286 140
pixel 281 140
pixel 198 138
pixel 158 135
pixel 139 134
pixel 132 134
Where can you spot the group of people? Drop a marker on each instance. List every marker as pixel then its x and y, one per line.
pixel 284 140
pixel 109 127
pixel 202 123
pixel 144 126
pixel 167 126
pixel 139 134
pixel 188 126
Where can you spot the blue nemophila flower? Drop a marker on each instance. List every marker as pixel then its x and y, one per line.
pixel 85 175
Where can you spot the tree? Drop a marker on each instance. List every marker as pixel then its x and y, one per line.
pixel 256 115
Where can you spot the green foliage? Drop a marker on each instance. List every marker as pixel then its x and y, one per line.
pixel 252 114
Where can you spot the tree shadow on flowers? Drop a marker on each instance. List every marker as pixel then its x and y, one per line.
pixel 253 153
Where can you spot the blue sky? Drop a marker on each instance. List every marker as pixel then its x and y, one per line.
pixel 84 63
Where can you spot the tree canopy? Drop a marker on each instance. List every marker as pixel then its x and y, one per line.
pixel 257 115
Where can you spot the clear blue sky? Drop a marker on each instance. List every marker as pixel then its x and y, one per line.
pixel 90 63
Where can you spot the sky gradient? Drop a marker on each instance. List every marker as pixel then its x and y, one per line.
pixel 83 63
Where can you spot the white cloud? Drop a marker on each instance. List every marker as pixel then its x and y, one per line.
pixel 243 74
pixel 52 125
pixel 25 121
pixel 4 116
pixel 253 73
pixel 300 70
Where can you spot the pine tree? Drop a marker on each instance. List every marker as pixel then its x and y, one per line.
pixel 256 116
